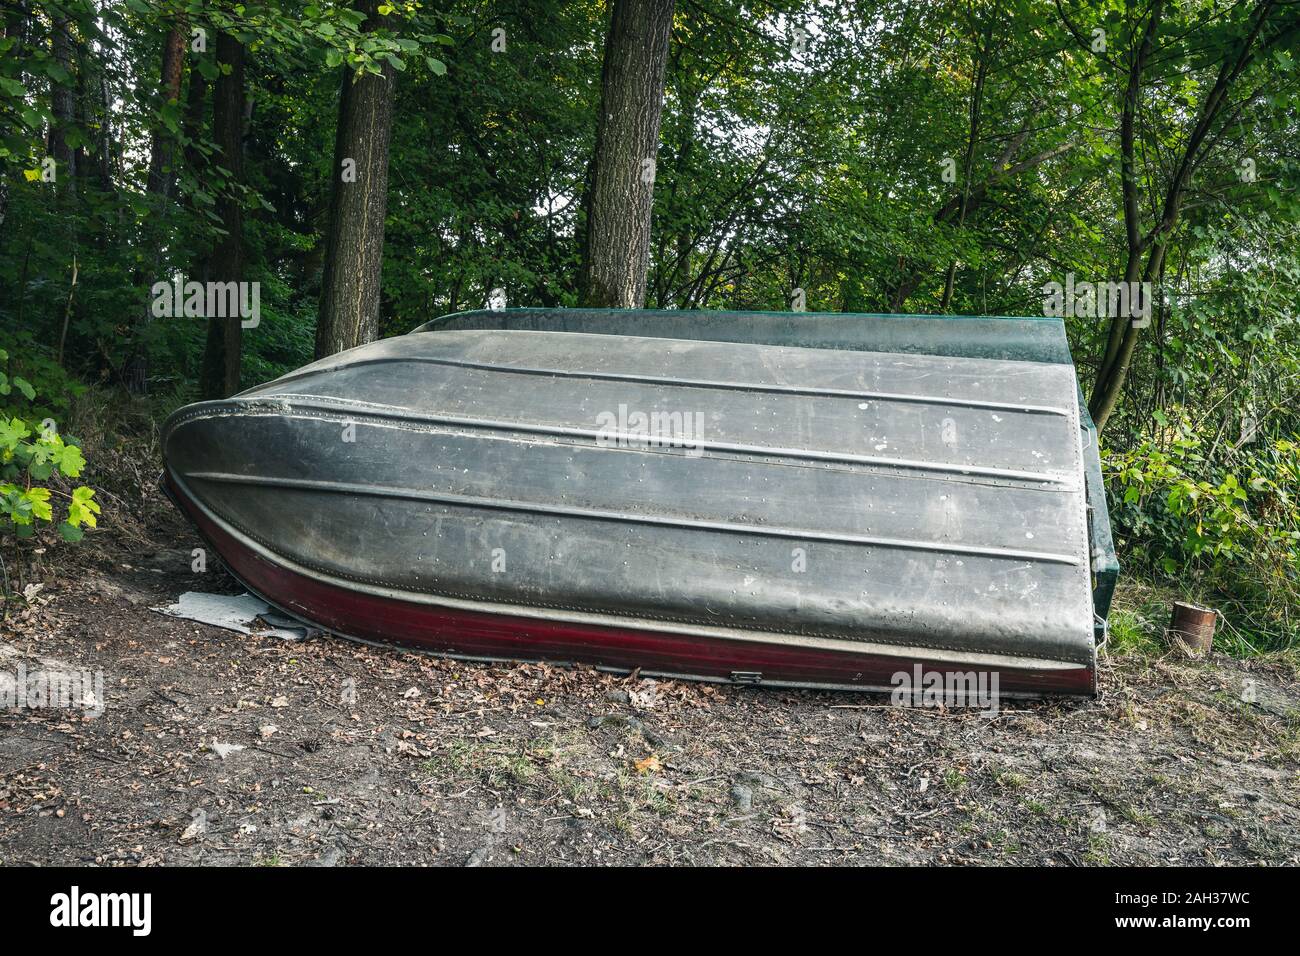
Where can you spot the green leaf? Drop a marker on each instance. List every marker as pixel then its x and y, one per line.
pixel 70 460
pixel 83 507
pixel 70 532
pixel 11 433
pixel 437 66
pixel 40 502
pixel 25 387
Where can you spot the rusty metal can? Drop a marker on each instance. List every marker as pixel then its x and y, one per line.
pixel 1191 628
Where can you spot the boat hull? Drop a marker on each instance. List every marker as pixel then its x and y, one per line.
pixel 494 636
pixel 834 513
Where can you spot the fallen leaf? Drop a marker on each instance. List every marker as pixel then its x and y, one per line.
pixel 192 831
pixel 225 750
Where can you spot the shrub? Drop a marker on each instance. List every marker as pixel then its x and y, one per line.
pixel 1194 501
pixel 34 460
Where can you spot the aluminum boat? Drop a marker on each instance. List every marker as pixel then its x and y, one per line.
pixel 819 500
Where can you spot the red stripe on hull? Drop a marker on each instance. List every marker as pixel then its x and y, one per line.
pixel 507 636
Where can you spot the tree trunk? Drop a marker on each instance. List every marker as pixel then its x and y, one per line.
pixel 192 122
pixel 13 23
pixel 104 148
pixel 61 106
pixel 617 254
pixel 354 239
pixel 159 182
pixel 1146 253
pixel 976 113
pixel 160 151
pixel 219 376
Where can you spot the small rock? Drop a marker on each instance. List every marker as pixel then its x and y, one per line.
pixel 615 720
pixel 171 558
pixel 331 857
pixel 743 797
pixel 618 696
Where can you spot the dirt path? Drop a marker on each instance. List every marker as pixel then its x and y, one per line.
pixel 352 754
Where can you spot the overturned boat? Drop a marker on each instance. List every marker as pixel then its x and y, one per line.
pixel 802 499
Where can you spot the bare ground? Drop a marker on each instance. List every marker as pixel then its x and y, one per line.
pixel 358 755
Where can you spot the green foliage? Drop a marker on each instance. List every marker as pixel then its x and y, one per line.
pixel 30 456
pixel 1227 518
